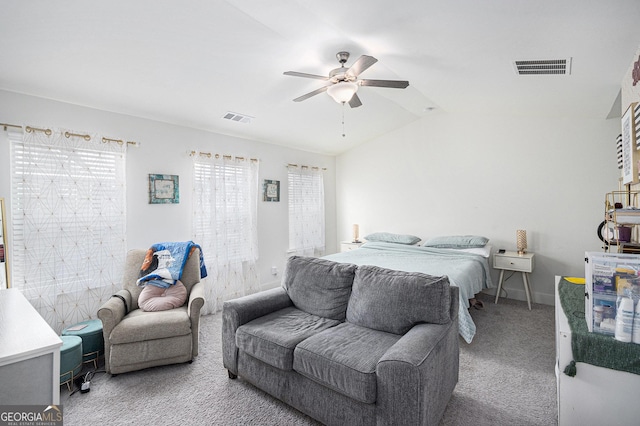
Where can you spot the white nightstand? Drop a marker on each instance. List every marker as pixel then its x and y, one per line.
pixel 349 245
pixel 512 261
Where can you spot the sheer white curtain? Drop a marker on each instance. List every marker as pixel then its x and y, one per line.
pixel 306 211
pixel 68 222
pixel 225 224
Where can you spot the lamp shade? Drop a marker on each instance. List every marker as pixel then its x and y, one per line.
pixel 521 241
pixel 343 91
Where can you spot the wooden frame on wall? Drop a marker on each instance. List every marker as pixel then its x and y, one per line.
pixel 271 190
pixel 164 189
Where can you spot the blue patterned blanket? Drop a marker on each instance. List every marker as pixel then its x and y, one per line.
pixel 164 262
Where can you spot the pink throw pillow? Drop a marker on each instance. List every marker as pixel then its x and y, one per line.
pixel 153 298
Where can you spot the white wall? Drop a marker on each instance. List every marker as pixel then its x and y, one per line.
pixel 163 150
pixel 451 174
pixel 444 174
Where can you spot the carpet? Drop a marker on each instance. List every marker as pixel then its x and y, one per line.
pixel 506 378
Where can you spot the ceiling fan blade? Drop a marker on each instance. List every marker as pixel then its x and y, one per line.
pixel 355 101
pixel 302 74
pixel 310 94
pixel 394 84
pixel 360 65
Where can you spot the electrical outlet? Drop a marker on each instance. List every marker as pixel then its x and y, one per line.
pixel 274 270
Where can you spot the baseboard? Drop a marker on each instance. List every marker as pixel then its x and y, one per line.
pixel 519 294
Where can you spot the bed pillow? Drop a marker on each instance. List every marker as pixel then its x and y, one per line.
pixel 387 237
pixel 395 301
pixel 457 241
pixel 154 298
pixel 481 251
pixel 318 286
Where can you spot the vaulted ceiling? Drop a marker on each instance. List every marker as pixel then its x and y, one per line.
pixel 189 63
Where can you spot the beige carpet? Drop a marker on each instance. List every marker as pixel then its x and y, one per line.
pixel 506 378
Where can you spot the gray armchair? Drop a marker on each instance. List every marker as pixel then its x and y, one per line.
pixel 134 339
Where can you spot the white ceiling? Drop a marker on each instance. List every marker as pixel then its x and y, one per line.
pixel 188 63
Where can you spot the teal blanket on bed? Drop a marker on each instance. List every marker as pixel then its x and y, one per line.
pixel 593 348
pixel 469 272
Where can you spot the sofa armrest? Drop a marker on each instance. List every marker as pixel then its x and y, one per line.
pixel 113 310
pixel 196 302
pixel 240 311
pixel 417 375
pixel 111 313
pixel 454 311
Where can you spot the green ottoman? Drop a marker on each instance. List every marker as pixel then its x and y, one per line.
pixel 92 340
pixel 70 359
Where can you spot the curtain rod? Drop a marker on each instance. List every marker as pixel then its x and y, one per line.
pixel 306 167
pixel 228 157
pixel 48 132
pixel 30 129
pixel 5 125
pixel 85 137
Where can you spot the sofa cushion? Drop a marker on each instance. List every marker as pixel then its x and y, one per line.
pixel 273 337
pixel 139 325
pixel 318 286
pixel 394 301
pixel 344 358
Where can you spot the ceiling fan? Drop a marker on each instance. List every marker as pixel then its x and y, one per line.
pixel 344 82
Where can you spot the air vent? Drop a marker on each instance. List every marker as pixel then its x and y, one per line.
pixel 240 118
pixel 543 67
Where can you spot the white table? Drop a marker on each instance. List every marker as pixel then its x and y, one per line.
pixel 596 395
pixel 512 261
pixel 29 354
pixel 349 245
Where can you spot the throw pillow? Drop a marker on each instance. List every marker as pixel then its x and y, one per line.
pixel 154 298
pixel 395 301
pixel 318 286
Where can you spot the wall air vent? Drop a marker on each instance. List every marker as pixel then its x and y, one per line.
pixel 240 118
pixel 543 67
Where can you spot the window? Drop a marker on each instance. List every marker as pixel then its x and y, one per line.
pixel 306 211
pixel 225 226
pixel 68 222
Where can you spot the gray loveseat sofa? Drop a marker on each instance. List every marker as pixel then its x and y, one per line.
pixel 349 344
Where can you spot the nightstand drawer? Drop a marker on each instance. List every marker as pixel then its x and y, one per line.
pixel 348 246
pixel 513 263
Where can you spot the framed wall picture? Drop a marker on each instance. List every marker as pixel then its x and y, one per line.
pixel 164 189
pixel 271 190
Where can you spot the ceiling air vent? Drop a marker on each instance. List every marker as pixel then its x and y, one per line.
pixel 543 67
pixel 240 118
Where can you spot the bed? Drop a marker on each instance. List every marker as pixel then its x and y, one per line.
pixel 468 271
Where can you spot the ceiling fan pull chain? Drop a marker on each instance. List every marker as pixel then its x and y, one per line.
pixel 343 135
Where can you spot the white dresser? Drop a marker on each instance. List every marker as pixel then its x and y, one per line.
pixel 29 354
pixel 596 395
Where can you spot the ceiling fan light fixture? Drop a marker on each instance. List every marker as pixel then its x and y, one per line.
pixel 343 91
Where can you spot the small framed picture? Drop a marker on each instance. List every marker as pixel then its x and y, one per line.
pixel 164 189
pixel 271 190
